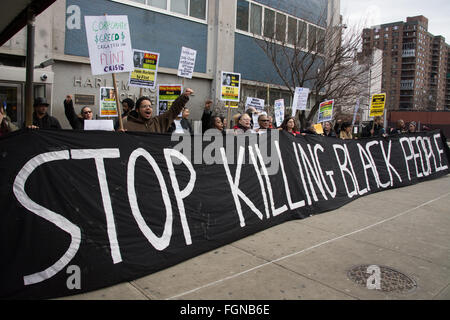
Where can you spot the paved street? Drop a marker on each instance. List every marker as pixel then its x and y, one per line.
pixel 405 229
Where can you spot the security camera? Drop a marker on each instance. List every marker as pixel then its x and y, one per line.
pixel 44 77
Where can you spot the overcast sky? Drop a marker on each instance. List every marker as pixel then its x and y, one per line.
pixel 367 13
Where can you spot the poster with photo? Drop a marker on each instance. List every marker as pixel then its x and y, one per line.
pixel 145 69
pixel 108 106
pixel 167 94
pixel 231 86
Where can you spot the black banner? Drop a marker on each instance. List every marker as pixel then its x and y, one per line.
pixel 85 210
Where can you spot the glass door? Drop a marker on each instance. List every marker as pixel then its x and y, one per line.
pixel 11 100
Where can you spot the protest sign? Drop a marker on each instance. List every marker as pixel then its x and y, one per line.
pixel 187 62
pixel 106 125
pixel 109 44
pixel 377 103
pixel 118 207
pixel 167 94
pixel 326 111
pixel 145 69
pixel 279 111
pixel 107 102
pixel 355 112
pixel 300 99
pixel 256 103
pixel 319 128
pixel 231 86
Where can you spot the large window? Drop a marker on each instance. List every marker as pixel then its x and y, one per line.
pixel 242 15
pixel 256 19
pixel 281 27
pixel 302 34
pixel 292 31
pixel 269 23
pixel 189 8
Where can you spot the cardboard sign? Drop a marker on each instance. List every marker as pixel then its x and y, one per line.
pixel 256 103
pixel 167 94
pixel 326 111
pixel 319 128
pixel 145 69
pixel 231 86
pixel 279 111
pixel 300 99
pixel 108 106
pixel 377 104
pixel 109 43
pixel 187 62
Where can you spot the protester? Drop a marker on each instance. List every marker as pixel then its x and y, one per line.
pixel 290 126
pixel 76 121
pixel 41 119
pixel 217 123
pixel 244 124
pixel 127 107
pixel 181 123
pixel 412 127
pixel 6 125
pixel 374 128
pixel 270 122
pixel 141 119
pixel 309 129
pixel 400 127
pixel 264 123
pixel 337 127
pixel 328 130
pixel 346 131
pixel 206 116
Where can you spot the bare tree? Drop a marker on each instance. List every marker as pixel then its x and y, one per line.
pixel 319 58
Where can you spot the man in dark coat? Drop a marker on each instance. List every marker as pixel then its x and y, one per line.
pixel 77 122
pixel 41 119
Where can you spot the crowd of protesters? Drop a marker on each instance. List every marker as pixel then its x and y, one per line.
pixel 139 116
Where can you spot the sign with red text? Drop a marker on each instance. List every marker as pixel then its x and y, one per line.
pixel 109 43
pixel 145 69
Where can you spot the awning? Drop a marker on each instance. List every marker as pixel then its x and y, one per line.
pixel 13 16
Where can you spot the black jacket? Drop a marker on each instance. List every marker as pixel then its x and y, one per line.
pixel 76 122
pixel 206 120
pixel 47 122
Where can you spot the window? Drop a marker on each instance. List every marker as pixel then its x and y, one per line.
pixel 156 3
pixel 255 19
pixel 197 9
pixel 302 34
pixel 269 23
pixel 292 31
pixel 312 38
pixel 281 27
pixel 320 41
pixel 242 15
pixel 179 6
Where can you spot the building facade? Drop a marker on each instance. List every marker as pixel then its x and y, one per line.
pixel 415 64
pixel 223 33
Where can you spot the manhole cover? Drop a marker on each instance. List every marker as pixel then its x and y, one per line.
pixel 390 279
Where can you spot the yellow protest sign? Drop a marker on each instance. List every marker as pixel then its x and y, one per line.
pixel 319 128
pixel 377 104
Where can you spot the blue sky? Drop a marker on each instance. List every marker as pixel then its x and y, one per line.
pixel 367 13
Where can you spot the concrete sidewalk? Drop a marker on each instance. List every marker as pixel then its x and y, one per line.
pixel 406 229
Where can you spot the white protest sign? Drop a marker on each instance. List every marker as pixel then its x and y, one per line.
pixel 300 99
pixel 279 111
pixel 187 62
pixel 256 103
pixel 109 43
pixel 106 125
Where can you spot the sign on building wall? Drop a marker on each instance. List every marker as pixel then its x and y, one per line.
pixel 187 62
pixel 145 69
pixel 377 104
pixel 167 94
pixel 326 111
pixel 300 99
pixel 107 102
pixel 109 44
pixel 231 86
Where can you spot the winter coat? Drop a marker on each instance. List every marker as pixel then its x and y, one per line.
pixel 158 124
pixel 75 121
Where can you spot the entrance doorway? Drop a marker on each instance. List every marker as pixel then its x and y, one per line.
pixel 11 100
